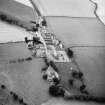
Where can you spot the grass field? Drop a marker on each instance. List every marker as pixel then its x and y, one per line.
pixel 17 10
pixel 23 78
pixel 92 62
pixel 86 36
pixel 78 31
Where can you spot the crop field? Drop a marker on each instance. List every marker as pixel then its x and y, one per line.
pixel 9 33
pixel 72 8
pixel 17 10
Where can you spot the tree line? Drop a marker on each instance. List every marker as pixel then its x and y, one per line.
pixel 12 20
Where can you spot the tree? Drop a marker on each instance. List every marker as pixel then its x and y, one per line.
pixel 3 17
pixel 70 52
pixel 44 23
pixel 52 64
pixel 56 90
pixel 26 39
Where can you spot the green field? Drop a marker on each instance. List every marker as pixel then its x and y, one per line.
pixel 23 78
pixel 78 31
pixel 86 37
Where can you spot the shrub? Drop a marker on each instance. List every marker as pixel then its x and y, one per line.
pixel 52 64
pixel 53 90
pixel 46 61
pixel 15 96
pixel 26 39
pixel 82 87
pixel 76 74
pixel 3 86
pixel 25 103
pixel 69 52
pixel 56 81
pixel 44 69
pixel 34 22
pixel 45 76
pixel 44 23
pixel 37 25
pixel 80 74
pixel 56 91
pixel 11 20
pixel 77 97
pixel 15 22
pixel 71 81
pixel 28 59
pixel 8 20
pixel 85 92
pixel 100 99
pixel 21 60
pixel 20 101
pixel 3 17
pixel 35 29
